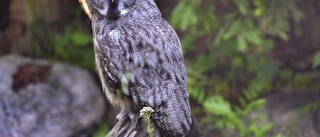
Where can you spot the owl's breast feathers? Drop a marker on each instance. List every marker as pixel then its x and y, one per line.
pixel 128 48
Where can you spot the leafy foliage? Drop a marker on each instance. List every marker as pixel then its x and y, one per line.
pixel 235 38
pixel 74 46
pixel 102 130
pixel 316 60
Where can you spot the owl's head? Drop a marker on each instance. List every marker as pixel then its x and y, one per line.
pixel 113 9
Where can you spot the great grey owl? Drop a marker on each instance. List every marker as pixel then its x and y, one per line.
pixel 140 63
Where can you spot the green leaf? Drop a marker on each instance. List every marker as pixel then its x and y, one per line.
pixel 316 60
pixel 242 44
pixel 217 105
pixel 81 39
pixel 266 128
pixel 237 62
pixel 283 35
pixel 253 36
pixel 234 29
pixel 253 106
pixel 102 130
pixel 242 6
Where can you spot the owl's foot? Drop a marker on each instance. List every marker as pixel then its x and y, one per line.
pixel 126 113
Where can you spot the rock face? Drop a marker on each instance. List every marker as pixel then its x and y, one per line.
pixel 295 114
pixel 39 98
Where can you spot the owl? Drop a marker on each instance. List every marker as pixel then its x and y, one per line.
pixel 140 63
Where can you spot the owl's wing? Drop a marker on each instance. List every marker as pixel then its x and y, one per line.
pixel 156 75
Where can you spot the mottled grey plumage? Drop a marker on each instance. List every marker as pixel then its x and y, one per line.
pixel 140 62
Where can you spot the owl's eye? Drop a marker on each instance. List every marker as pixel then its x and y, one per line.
pixel 102 6
pixel 128 3
pixel 99 3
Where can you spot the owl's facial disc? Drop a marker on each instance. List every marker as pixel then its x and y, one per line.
pixel 114 9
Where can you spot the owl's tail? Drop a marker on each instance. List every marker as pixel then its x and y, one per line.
pixel 194 132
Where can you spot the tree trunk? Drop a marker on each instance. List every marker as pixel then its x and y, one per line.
pixel 38 40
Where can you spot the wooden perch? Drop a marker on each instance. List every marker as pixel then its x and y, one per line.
pixel 136 127
pixel 85 7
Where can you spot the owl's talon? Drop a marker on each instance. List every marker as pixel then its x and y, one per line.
pixel 121 115
pixel 126 113
pixel 131 115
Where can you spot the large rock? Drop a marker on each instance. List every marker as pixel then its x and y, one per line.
pixel 39 98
